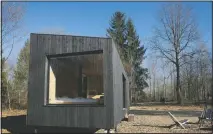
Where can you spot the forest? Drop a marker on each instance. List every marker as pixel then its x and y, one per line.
pixel 180 63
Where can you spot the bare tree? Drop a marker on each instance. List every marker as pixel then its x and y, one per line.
pixel 163 67
pixel 154 79
pixel 12 16
pixel 8 96
pixel 150 83
pixel 196 74
pixel 174 37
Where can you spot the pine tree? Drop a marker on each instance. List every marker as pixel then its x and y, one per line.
pixel 134 53
pixel 141 77
pixel 117 31
pixel 131 50
pixel 21 71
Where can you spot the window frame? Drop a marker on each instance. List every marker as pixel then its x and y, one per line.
pixel 47 71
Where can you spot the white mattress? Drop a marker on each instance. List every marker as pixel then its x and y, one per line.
pixel 66 99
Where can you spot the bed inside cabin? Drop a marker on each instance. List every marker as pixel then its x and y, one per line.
pixel 76 79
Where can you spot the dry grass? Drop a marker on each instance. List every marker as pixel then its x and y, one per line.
pixel 13 112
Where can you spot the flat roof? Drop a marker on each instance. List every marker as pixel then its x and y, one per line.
pixel 72 35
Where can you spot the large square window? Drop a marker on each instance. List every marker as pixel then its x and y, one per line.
pixel 75 79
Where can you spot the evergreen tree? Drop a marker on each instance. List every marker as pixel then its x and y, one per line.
pixel 117 31
pixel 131 51
pixel 141 76
pixel 21 71
pixel 134 53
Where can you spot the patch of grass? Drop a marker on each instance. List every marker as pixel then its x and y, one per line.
pixel 13 112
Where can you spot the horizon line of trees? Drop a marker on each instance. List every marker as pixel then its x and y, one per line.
pixel 122 31
pixel 185 62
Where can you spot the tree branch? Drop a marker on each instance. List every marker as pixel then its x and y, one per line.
pixel 10 50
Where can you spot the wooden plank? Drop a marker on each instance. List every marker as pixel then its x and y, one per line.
pixel 108 87
pixel 30 104
pixel 69 43
pixel 69 116
pixel 118 71
pixel 80 80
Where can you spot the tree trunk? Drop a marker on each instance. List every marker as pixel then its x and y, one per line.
pixel 132 79
pixel 154 87
pixel 158 99
pixel 131 85
pixel 179 94
pixel 164 86
pixel 8 97
pixel 150 86
pixel 19 98
pixel 189 89
pixel 172 81
pixel 190 80
pixel 198 83
pixel 204 88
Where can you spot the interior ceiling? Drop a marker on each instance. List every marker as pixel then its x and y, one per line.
pixel 92 64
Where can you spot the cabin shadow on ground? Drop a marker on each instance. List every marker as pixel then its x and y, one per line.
pixel 17 125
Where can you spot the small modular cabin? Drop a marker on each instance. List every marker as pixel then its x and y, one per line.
pixel 76 81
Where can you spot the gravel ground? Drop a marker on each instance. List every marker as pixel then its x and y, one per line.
pixel 147 119
pixel 167 107
pixel 154 119
pixel 156 124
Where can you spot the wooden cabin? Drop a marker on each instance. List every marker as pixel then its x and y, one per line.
pixel 76 81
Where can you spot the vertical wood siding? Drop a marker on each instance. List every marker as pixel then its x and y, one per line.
pixel 118 71
pixel 106 116
pixel 67 116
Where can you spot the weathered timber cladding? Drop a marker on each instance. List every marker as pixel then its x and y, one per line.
pixel 118 71
pixel 89 116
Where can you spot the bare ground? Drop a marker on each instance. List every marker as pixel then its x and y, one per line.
pixel 154 118
pixel 149 118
